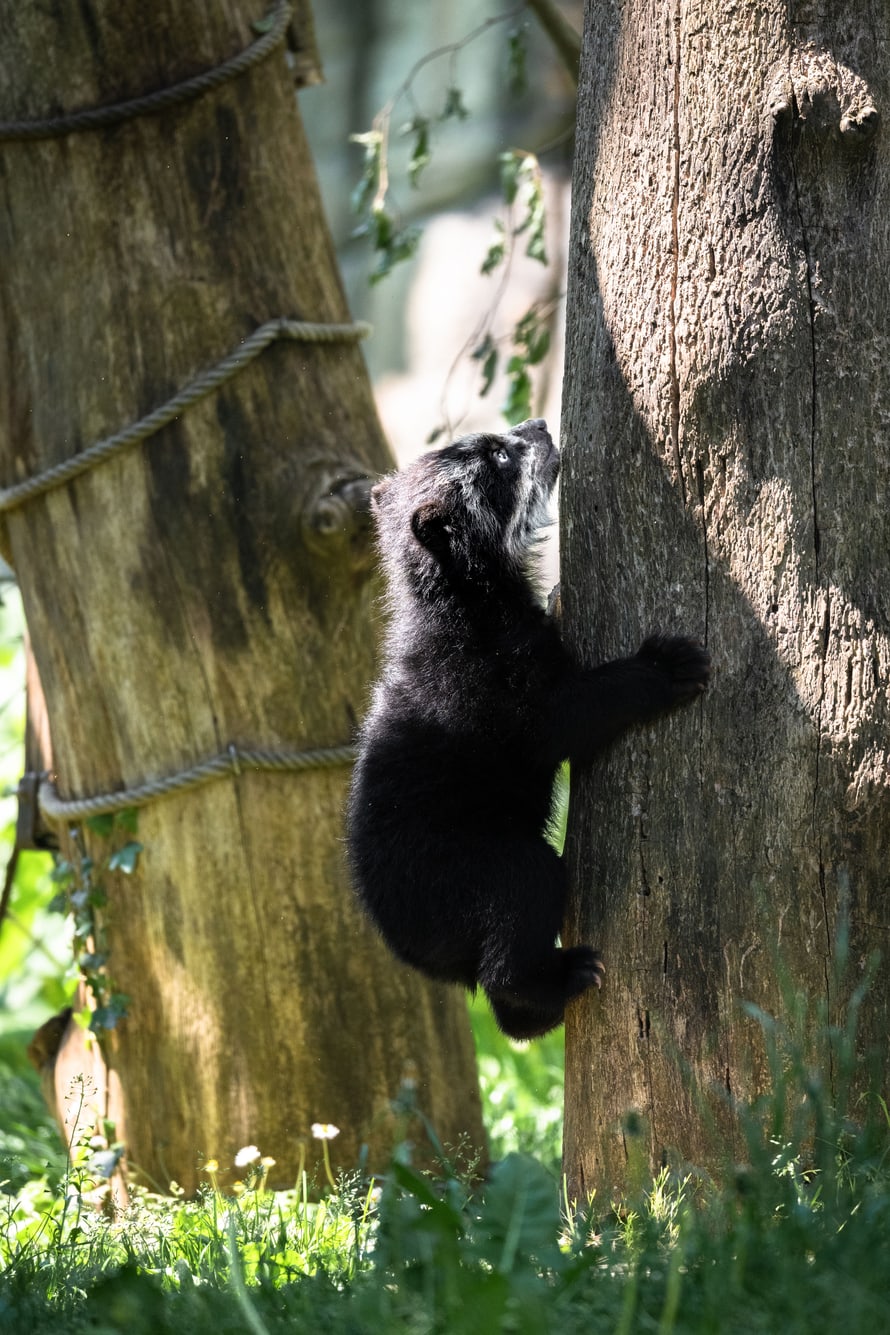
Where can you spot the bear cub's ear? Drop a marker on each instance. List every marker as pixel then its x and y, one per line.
pixel 432 530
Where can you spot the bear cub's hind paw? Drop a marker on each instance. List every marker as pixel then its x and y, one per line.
pixel 584 968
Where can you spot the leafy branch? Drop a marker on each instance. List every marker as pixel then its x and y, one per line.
pixel 524 218
pixel 371 202
pixel 82 894
pixel 522 191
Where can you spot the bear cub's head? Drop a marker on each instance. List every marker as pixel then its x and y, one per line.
pixel 469 512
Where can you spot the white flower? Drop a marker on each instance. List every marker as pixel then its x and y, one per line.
pixel 249 1154
pixel 324 1130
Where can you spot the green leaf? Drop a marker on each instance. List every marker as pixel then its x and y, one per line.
pixel 519 1214
pixel 493 257
pixel 266 24
pixel 487 353
pixel 489 369
pixel 420 154
pixel 531 335
pixel 125 859
pixel 536 249
pixel 454 105
pixel 539 346
pixel 496 251
pixel 511 166
pixel 382 228
pixel 517 64
pixel 519 397
pixel 368 185
pixel 110 1015
pixel 91 962
pixel 395 247
pixel 101 825
pixel 128 820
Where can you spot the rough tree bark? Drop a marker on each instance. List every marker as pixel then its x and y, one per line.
pixel 209 586
pixel 727 472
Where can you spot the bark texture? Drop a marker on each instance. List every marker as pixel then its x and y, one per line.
pixel 727 473
pixel 210 586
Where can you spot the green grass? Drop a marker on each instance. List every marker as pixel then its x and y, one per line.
pixel 795 1240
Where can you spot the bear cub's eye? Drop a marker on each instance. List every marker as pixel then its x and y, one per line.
pixel 501 455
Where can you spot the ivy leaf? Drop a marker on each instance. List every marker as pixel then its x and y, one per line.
pixel 101 825
pixel 104 1162
pixel 125 859
pixel 92 961
pixel 110 1015
pixel 128 820
pixel 265 24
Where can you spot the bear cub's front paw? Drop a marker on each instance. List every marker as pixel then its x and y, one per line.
pixel 584 968
pixel 684 661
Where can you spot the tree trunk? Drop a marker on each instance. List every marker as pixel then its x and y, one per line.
pixel 207 587
pixel 727 473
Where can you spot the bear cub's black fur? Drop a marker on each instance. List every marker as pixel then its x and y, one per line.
pixel 478 703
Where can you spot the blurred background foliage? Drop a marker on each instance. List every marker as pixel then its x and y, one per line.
pixel 36 970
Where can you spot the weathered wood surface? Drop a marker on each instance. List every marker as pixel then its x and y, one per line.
pixel 210 586
pixel 727 472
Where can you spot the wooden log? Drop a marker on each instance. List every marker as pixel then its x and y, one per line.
pixel 209 586
pixel 727 473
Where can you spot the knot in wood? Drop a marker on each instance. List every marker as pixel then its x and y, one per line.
pixel 337 521
pixel 814 94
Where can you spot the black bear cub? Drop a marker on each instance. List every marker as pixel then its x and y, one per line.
pixel 478 703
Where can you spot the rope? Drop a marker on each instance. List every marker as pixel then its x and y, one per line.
pixel 95 118
pixel 297 330
pixel 230 762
